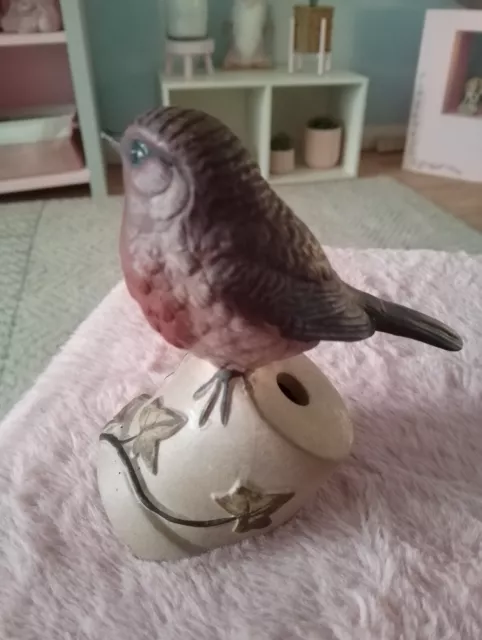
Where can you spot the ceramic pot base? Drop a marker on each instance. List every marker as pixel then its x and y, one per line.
pixel 172 489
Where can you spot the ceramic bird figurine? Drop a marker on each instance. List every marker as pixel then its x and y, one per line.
pixel 223 268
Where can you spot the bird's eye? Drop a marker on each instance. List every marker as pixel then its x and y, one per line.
pixel 139 151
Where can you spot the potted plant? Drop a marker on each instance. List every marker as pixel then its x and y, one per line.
pixel 282 154
pixel 323 136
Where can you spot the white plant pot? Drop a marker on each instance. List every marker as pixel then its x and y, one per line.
pixel 322 148
pixel 187 19
pixel 172 489
pixel 282 162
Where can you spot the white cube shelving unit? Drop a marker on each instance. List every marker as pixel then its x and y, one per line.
pixel 258 104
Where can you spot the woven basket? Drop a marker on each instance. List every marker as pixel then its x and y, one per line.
pixel 308 25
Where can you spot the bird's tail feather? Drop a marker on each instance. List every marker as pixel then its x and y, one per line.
pixel 398 320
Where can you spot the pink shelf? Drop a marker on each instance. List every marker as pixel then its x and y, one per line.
pixel 42 165
pixel 31 39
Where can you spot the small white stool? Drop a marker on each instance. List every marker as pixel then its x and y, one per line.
pixel 188 50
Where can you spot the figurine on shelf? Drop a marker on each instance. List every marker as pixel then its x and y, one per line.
pixel 247 427
pixel 32 16
pixel 471 103
pixel 250 28
pixel 244 306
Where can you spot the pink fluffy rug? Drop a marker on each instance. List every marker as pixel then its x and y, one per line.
pixel 391 548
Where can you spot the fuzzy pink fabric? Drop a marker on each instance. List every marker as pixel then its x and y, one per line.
pixel 390 549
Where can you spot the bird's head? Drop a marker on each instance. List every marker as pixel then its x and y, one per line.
pixel 156 182
pixel 177 158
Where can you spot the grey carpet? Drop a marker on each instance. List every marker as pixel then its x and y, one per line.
pixel 58 259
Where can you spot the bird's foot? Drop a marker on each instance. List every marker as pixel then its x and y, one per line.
pixel 219 385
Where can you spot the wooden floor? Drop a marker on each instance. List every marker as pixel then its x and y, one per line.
pixel 461 199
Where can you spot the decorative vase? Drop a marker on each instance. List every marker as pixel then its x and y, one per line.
pixel 282 162
pixel 172 489
pixel 249 22
pixel 187 19
pixel 322 147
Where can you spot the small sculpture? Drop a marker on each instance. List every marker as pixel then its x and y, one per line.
pixel 32 16
pixel 471 103
pixel 222 268
pixel 250 27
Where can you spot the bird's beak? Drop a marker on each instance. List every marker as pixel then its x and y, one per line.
pixel 114 144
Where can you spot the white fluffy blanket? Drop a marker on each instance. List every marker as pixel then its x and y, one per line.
pixel 391 548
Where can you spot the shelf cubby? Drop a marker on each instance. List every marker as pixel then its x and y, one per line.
pixel 257 104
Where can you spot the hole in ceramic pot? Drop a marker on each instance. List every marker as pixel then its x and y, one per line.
pixel 293 389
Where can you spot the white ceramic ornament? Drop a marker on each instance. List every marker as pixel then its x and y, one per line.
pixel 249 26
pixel 172 489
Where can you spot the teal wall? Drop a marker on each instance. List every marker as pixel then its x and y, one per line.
pixel 126 51
pixel 380 38
pixel 387 37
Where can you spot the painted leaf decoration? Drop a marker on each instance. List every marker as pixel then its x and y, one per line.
pixel 121 423
pixel 252 506
pixel 248 523
pixel 157 423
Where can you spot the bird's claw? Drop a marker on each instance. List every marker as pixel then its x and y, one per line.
pixel 221 385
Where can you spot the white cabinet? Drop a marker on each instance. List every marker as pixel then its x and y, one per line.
pixel 259 104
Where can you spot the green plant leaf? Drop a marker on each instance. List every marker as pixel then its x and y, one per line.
pixel 281 142
pixel 323 122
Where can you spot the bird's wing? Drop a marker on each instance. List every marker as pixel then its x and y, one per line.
pixel 302 310
pixel 277 273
